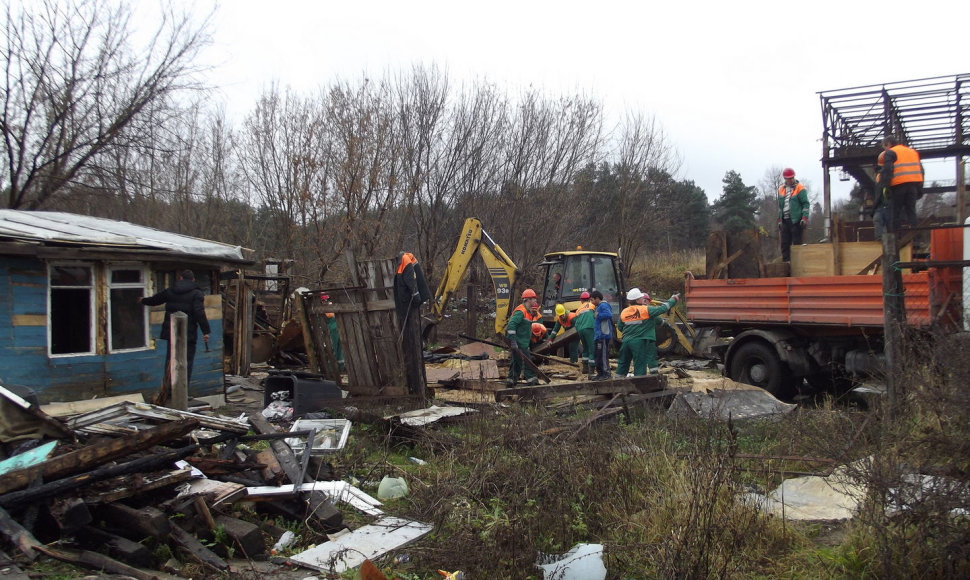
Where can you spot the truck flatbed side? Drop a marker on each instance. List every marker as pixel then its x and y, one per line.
pixel 845 301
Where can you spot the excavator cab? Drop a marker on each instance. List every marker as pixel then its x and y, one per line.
pixel 569 274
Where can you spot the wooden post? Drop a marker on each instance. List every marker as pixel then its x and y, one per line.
pixel 471 317
pixel 895 311
pixel 303 317
pixel 178 364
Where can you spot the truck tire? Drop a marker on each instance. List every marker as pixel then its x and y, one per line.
pixel 756 363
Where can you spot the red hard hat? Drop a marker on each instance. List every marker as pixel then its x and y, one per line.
pixel 528 293
pixel 584 296
pixel 324 297
pixel 538 329
pixel 788 173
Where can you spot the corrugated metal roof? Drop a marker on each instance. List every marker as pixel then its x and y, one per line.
pixel 59 228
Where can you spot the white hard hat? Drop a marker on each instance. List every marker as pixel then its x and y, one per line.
pixel 634 294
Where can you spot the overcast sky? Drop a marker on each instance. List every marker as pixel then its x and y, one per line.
pixel 734 84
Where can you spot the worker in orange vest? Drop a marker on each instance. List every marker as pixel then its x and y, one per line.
pixel 519 331
pixel 902 174
pixel 564 321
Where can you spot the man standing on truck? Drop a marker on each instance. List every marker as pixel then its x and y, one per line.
pixel 638 322
pixel 585 321
pixel 519 334
pixel 603 335
pixel 902 174
pixel 792 212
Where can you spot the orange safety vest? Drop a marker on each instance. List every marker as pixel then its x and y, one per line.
pixel 798 188
pixel 584 306
pixel 528 316
pixel 906 169
pixel 636 314
pixel 406 260
pixel 569 318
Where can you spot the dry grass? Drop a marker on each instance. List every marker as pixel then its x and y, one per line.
pixel 662 274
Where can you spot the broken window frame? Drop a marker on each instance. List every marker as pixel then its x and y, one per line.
pixel 142 284
pixel 69 316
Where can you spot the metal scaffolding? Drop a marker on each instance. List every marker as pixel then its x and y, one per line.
pixel 931 115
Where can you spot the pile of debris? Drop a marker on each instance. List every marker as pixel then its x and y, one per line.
pixel 90 486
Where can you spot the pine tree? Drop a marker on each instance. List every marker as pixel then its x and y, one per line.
pixel 735 209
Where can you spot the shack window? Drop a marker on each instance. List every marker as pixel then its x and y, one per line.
pixel 71 309
pixel 128 319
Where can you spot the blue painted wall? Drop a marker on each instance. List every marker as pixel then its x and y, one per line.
pixel 24 359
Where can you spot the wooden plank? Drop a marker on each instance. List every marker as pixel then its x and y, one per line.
pixel 18 536
pixel 144 522
pixel 94 455
pixel 156 412
pixel 29 320
pixel 145 484
pixel 812 260
pixel 96 561
pixel 60 410
pixel 643 384
pixel 193 546
pixel 63 485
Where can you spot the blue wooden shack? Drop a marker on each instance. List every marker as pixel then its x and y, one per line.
pixel 71 326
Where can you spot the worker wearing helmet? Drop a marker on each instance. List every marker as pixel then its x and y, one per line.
pixel 902 175
pixel 638 322
pixel 792 212
pixel 519 332
pixel 538 333
pixel 585 321
pixel 564 321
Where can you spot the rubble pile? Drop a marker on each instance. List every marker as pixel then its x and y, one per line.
pixel 145 491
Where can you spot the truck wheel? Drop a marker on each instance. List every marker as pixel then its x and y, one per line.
pixel 757 363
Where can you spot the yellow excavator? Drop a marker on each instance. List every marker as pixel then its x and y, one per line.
pixel 474 240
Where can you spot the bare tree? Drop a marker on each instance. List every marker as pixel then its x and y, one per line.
pixel 641 146
pixel 75 87
pixel 284 155
pixel 363 154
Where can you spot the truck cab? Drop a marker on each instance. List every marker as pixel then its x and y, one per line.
pixel 569 274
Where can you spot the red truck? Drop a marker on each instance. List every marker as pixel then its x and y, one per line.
pixel 823 329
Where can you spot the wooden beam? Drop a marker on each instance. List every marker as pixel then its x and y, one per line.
pixel 95 454
pixel 18 536
pixel 611 387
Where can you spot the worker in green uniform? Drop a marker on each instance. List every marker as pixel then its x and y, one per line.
pixel 564 321
pixel 519 331
pixel 638 323
pixel 585 321
pixel 334 336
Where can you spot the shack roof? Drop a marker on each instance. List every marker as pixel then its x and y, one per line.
pixel 20 229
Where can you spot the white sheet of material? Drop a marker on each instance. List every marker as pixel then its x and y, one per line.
pixel 366 543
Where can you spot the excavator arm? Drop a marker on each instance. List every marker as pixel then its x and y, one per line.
pixel 503 271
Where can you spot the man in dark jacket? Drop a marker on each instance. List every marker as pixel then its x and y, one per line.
pixel 185 296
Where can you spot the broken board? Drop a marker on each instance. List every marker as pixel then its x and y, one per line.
pixel 366 543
